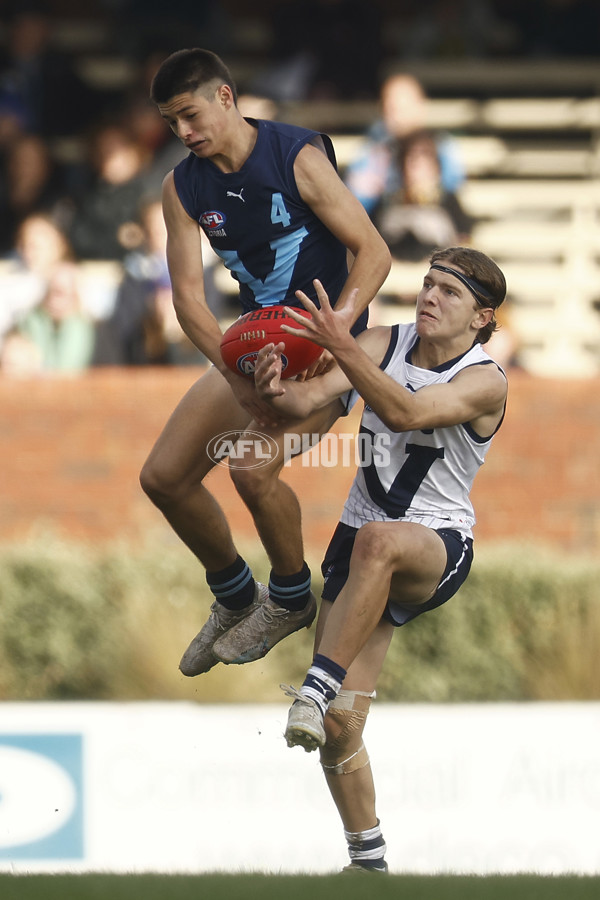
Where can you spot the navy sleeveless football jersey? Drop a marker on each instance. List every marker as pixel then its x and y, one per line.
pixel 256 221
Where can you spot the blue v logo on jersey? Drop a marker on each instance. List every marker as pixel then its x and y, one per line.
pixel 274 288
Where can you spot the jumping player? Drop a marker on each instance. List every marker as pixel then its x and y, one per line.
pixel 433 401
pixel 268 198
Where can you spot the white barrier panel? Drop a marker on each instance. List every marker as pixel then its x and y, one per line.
pixel 172 787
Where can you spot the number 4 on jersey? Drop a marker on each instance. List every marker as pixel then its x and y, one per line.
pixel 278 211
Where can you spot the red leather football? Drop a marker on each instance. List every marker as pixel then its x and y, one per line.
pixel 249 334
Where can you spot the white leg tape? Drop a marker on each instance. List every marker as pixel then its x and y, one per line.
pixel 344 751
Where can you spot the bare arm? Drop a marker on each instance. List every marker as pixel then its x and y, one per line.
pixel 322 189
pixel 295 400
pixel 477 395
pixel 298 399
pixel 184 257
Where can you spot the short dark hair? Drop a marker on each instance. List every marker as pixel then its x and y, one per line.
pixel 484 271
pixel 186 71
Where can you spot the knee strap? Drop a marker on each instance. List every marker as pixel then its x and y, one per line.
pixel 344 750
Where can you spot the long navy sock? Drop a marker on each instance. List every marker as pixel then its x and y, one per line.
pixel 323 681
pixel 290 591
pixel 233 586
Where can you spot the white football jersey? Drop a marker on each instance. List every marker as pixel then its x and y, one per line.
pixel 417 476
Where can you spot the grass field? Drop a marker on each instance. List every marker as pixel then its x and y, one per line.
pixel 300 887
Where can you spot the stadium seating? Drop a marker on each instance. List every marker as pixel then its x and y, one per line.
pixel 528 138
pixel 527 130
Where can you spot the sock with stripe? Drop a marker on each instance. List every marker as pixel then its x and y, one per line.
pixel 290 591
pixel 367 848
pixel 233 586
pixel 323 681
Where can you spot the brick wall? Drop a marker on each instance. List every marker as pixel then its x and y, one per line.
pixel 71 450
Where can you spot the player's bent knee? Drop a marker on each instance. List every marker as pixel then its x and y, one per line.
pixel 157 485
pixel 374 541
pixel 149 481
pixel 250 483
pixel 344 751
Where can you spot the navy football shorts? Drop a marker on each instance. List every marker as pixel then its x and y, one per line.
pixel 459 553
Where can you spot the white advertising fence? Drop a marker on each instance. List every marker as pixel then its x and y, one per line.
pixel 177 787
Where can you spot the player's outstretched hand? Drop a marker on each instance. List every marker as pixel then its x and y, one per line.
pixel 328 327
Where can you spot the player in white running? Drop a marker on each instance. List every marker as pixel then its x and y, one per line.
pixel 433 401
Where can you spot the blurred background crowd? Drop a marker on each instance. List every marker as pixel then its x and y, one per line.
pixel 83 277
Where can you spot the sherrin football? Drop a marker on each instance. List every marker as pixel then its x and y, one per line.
pixel 249 334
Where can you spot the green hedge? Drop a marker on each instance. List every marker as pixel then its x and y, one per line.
pixel 111 623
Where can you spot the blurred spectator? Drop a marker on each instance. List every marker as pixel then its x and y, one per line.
pixel 422 215
pixel 38 81
pixel 63 336
pixel 143 328
pixel 104 224
pixel 31 182
pixel 19 356
pixel 162 149
pixel 375 172
pixel 40 244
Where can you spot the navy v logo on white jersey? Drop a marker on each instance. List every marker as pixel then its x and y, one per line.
pixel 399 497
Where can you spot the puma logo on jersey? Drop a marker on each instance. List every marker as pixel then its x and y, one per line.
pixel 239 196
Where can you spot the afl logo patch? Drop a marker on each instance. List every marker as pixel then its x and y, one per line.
pixel 212 220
